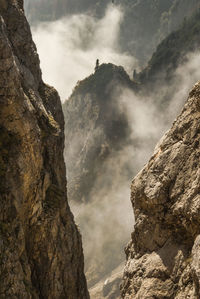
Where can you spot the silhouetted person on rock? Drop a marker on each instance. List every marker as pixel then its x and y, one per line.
pixel 97 65
pixel 134 75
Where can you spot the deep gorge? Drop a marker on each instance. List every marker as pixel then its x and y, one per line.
pixel 105 130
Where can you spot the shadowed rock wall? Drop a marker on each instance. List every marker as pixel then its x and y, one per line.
pixel 40 246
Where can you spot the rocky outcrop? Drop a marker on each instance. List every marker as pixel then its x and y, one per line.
pixel 95 127
pixel 40 247
pixel 163 254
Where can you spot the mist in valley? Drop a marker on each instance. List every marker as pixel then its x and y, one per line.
pixel 68 49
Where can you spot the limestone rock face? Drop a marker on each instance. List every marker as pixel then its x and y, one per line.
pixel 40 247
pixel 50 10
pixel 163 255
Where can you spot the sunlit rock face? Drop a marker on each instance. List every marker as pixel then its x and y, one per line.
pixel 163 254
pixel 40 247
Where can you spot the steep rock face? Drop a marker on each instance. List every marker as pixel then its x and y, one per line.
pixel 40 247
pixel 163 255
pixel 102 128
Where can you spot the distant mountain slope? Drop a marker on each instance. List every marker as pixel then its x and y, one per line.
pixel 96 125
pixel 148 22
pixel 172 51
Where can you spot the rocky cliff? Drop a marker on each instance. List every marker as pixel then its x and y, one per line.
pixel 40 247
pixel 163 254
pixel 95 127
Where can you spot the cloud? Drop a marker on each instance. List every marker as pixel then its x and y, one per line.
pixel 68 48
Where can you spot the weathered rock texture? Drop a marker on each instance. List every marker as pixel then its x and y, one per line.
pixel 163 255
pixel 40 247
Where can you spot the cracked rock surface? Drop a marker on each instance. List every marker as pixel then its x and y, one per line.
pixel 163 255
pixel 40 247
